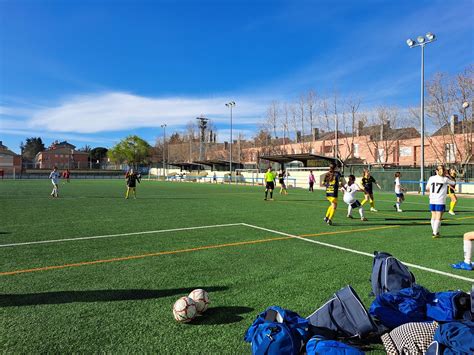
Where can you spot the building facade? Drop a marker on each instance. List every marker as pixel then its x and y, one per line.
pixel 62 155
pixel 10 162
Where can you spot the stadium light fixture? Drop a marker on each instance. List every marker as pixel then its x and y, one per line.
pixel 422 42
pixel 230 105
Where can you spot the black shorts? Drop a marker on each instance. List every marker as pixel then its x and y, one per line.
pixel 355 204
pixel 132 185
pixel 270 185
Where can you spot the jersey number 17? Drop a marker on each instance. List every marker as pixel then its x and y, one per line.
pixel 440 185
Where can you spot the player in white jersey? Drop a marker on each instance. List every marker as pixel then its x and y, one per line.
pixel 54 176
pixel 350 189
pixel 437 187
pixel 398 192
pixel 467 263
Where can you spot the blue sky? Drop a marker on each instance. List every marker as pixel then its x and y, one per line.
pixel 92 72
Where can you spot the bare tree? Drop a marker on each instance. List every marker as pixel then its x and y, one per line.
pixel 312 111
pixel 446 95
pixel 285 124
pixel 273 114
pixel 385 134
pixel 349 119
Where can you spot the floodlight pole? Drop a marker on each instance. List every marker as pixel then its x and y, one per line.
pixel 422 42
pixel 422 117
pixel 164 145
pixel 230 105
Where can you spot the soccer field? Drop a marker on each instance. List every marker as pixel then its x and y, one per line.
pixel 92 272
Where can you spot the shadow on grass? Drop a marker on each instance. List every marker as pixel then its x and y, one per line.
pixel 407 219
pixel 221 315
pixel 5 232
pixel 61 297
pixel 428 210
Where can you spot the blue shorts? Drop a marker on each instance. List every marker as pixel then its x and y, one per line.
pixel 400 195
pixel 437 208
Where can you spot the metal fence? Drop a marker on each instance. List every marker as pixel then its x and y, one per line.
pixel 385 176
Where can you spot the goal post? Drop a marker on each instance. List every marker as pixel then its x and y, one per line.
pixel 300 175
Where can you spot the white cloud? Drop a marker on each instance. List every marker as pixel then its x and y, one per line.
pixel 60 136
pixel 116 111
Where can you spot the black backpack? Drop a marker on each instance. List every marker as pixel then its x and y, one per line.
pixel 343 316
pixel 389 274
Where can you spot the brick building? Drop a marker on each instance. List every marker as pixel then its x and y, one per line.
pixel 9 161
pixel 382 144
pixel 63 155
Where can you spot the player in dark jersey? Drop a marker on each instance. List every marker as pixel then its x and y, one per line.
pixel 452 192
pixel 332 182
pixel 269 179
pixel 367 182
pixel 281 179
pixel 132 179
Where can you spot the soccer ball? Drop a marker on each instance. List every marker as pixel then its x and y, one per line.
pixel 184 310
pixel 201 298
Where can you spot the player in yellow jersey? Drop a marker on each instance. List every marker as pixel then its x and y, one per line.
pixel 332 181
pixel 269 183
pixel 452 192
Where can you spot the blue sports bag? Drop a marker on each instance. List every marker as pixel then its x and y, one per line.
pixel 318 346
pixel 277 331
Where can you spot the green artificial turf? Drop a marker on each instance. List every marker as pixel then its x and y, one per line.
pixel 125 305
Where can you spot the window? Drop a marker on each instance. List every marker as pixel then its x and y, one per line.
pixel 356 150
pixel 405 151
pixel 327 149
pixel 450 153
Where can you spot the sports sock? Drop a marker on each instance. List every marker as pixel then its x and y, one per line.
pixel 398 205
pixel 361 212
pixel 372 204
pixel 266 193
pixel 452 204
pixel 126 194
pixel 432 225
pixel 328 211
pixel 436 225
pixel 271 193
pixel 364 201
pixel 331 213
pixel 467 251
pixel 349 210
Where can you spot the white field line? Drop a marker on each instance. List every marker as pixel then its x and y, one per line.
pixel 359 252
pixel 120 235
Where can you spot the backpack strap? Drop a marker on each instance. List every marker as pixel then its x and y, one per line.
pixel 358 316
pixel 267 340
pixel 334 320
pixel 377 266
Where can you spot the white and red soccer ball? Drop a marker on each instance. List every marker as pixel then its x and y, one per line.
pixel 201 298
pixel 184 310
